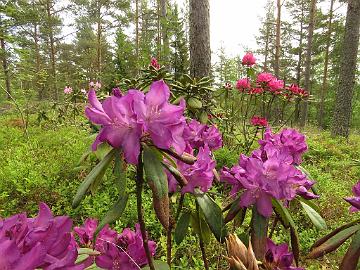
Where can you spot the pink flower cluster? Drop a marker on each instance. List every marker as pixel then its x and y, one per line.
pixel 259 121
pixel 95 85
pixel 68 90
pixel 154 63
pixel 248 59
pixel 270 172
pixel 47 242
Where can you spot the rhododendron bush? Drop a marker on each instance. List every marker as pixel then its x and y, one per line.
pixel 163 133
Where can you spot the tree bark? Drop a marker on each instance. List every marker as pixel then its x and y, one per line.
pixel 98 38
pixel 344 94
pixel 164 28
pixel 277 40
pixel 304 107
pixel 137 34
pixel 200 52
pixel 52 47
pixel 324 85
pixel 5 66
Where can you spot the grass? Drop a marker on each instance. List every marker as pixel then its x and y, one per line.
pixel 42 169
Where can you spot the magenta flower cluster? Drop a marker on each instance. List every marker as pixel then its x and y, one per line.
pixel 42 242
pixel 123 251
pixel 128 119
pixel 278 257
pixel 200 139
pixel 355 201
pixel 270 172
pixel 47 242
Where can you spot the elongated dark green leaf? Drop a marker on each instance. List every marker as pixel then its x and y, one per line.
pixel 259 226
pixel 114 213
pixel 154 172
pixel 351 258
pixel 333 242
pixel 194 103
pixel 181 228
pixel 213 216
pixel 309 202
pixel 159 265
pixel 295 244
pixel 120 174
pixel 97 171
pixel 234 210
pixel 328 236
pixel 314 216
pixel 240 217
pixel 283 214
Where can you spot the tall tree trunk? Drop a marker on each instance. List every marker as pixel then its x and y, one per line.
pixel 324 85
pixel 299 62
pixel 304 107
pixel 277 40
pixel 200 52
pixel 5 66
pixel 52 47
pixel 164 28
pixel 267 41
pixel 137 34
pixel 344 94
pixel 98 38
pixel 40 89
pixel 158 43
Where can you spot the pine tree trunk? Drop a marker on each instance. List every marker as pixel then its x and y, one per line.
pixel 52 48
pixel 304 107
pixel 344 95
pixel 165 37
pixel 200 52
pixel 98 38
pixel 324 85
pixel 137 34
pixel 277 41
pixel 299 62
pixel 5 66
pixel 267 41
pixel 40 89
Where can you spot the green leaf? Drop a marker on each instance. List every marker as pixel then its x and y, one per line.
pixel 259 225
pixel 295 244
pixel 154 172
pixel 114 213
pixel 351 258
pixel 120 174
pixel 309 202
pixel 97 172
pixel 194 103
pixel 159 265
pixel 102 150
pixel 314 216
pixel 283 214
pixel 182 227
pixel 203 118
pixel 333 242
pixel 213 216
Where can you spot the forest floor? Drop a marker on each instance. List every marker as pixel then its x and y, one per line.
pixel 41 168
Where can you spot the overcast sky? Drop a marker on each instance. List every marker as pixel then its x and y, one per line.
pixel 235 23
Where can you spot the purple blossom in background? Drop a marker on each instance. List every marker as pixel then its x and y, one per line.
pixel 355 201
pixel 278 257
pixel 125 119
pixel 198 135
pixel 199 175
pixel 42 242
pixel 127 254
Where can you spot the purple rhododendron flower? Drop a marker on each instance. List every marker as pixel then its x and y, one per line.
pixel 278 257
pixel 288 140
pixel 270 173
pixel 355 201
pixel 198 135
pixel 126 119
pixel 199 175
pixel 42 242
pixel 127 254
